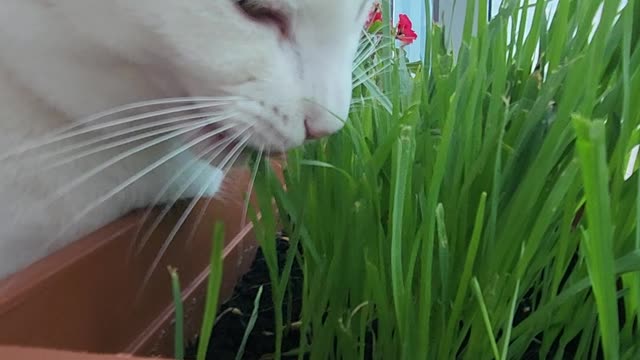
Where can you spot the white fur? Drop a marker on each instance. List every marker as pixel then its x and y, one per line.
pixel 64 60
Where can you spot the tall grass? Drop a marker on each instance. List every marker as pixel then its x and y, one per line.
pixel 479 209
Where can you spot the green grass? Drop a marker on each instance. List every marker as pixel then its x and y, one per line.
pixel 176 291
pixel 250 325
pixel 211 306
pixel 452 198
pixel 213 292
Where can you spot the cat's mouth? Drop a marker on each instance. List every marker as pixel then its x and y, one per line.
pixel 219 133
pixel 223 139
pixel 232 146
pixel 228 140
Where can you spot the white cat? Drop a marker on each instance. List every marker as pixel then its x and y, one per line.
pixel 264 73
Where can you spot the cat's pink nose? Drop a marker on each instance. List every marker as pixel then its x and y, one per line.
pixel 311 133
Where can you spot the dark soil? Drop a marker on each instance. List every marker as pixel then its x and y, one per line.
pixel 234 316
pixel 228 332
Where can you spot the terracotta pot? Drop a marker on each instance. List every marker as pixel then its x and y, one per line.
pixel 89 296
pixel 17 353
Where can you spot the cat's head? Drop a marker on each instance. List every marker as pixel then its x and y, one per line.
pixel 290 61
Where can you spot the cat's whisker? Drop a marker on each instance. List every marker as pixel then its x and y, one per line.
pixel 370 47
pixel 203 209
pixel 205 119
pixel 155 165
pixel 360 60
pixel 361 80
pixel 133 129
pixel 191 164
pixel 368 53
pixel 220 148
pixel 364 100
pixel 232 156
pixel 254 174
pixel 140 174
pixel 63 133
pixel 143 116
pixel 363 50
pixel 379 34
pixel 381 98
pixel 116 159
pixel 155 102
pixel 369 38
pixel 363 75
pixel 325 108
pixel 49 163
pixel 366 50
pixel 127 120
pixel 376 63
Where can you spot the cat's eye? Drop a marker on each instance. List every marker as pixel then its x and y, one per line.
pixel 265 14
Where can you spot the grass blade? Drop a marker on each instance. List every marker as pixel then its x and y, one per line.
pixel 213 291
pixel 250 325
pixel 178 343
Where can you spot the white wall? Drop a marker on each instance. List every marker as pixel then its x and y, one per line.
pixel 451 15
pixel 416 11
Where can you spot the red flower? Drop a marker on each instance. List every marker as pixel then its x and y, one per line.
pixel 375 15
pixel 405 30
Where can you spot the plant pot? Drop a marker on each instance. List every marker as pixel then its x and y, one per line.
pixel 18 353
pixel 89 296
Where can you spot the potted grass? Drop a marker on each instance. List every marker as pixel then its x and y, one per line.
pixel 482 206
pixel 94 296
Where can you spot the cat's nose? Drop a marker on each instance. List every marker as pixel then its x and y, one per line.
pixel 312 133
pixel 319 122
